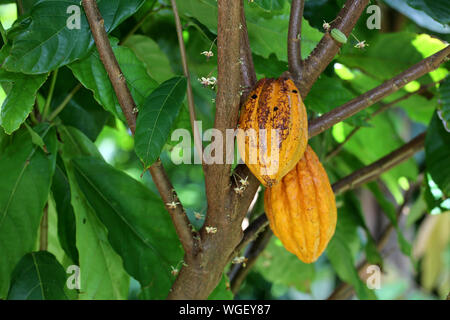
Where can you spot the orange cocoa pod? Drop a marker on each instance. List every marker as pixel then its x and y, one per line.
pixel 301 209
pixel 273 129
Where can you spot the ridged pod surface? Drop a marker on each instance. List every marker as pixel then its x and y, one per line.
pixel 301 209
pixel 274 104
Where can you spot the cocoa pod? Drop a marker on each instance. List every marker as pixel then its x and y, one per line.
pixel 273 129
pixel 301 209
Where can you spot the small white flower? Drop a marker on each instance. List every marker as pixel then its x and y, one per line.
pixel 206 82
pixel 211 230
pixel 361 44
pixel 172 205
pixel 198 215
pixel 238 260
pixel 326 26
pixel 207 54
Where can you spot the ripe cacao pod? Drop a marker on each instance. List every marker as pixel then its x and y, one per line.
pixel 301 209
pixel 273 129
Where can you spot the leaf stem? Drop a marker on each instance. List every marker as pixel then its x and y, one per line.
pixel 50 95
pixel 43 237
pixel 64 103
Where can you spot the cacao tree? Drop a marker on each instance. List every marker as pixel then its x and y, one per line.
pixel 119 176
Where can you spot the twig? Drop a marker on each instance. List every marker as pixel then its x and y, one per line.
pixel 190 96
pixel 327 48
pixel 43 236
pixel 381 109
pixel 128 106
pixel 239 272
pixel 369 173
pixel 361 176
pixel 364 101
pixel 294 39
pixel 20 9
pixel 50 95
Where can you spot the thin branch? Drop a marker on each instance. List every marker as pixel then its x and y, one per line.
pixel 20 9
pixel 239 272
pixel 359 177
pixel 128 106
pixel 190 95
pixel 294 39
pixel 380 110
pixel 373 171
pixel 50 95
pixel 327 48
pixel 364 101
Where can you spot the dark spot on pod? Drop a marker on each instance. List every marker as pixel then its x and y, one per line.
pixel 84 220
pixel 294 91
pixel 275 109
pixel 254 96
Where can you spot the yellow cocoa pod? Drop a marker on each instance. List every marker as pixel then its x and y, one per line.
pixel 273 129
pixel 301 209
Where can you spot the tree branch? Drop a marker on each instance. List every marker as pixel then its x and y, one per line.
pixel 327 48
pixel 356 179
pixel 381 109
pixel 364 101
pixel 190 96
pixel 371 172
pixel 239 272
pixel 128 106
pixel 294 39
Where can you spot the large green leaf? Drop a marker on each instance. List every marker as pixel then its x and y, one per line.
pixel 26 174
pixel 444 95
pixel 156 118
pixel 342 250
pixel 66 216
pixel 264 31
pixel 437 9
pixel 279 266
pixel 38 276
pixel 21 95
pixel 148 51
pixel 437 153
pixel 139 228
pixel 101 268
pixel 92 74
pixel 222 291
pixel 42 42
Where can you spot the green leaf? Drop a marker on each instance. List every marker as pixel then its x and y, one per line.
pixel 66 216
pixel 92 74
pixel 264 32
pixel 21 95
pixel 437 9
pixel 38 276
pixel 222 291
pixel 44 44
pixel 437 154
pixel 148 51
pixel 139 227
pixel 279 266
pixel 156 118
pixel 101 268
pixel 270 5
pixel 36 138
pixel 341 252
pixel 391 212
pixel 444 95
pixel 26 174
